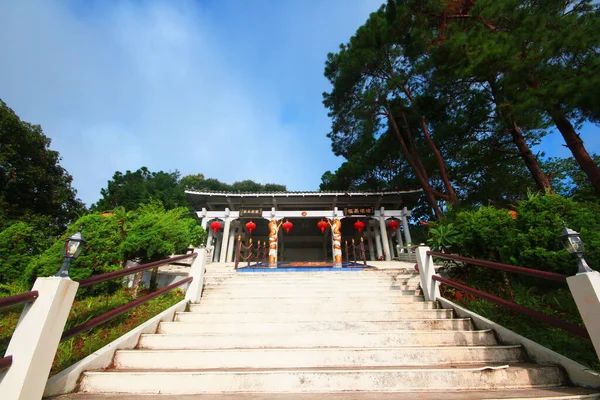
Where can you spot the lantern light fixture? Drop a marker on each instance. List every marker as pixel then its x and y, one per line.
pixel 73 247
pixel 393 225
pixel 215 226
pixel 571 240
pixel 359 226
pixel 287 225
pixel 322 225
pixel 250 226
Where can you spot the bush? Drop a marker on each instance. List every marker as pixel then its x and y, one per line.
pixel 531 239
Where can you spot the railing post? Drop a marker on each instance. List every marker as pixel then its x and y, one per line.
pixel 430 287
pixel 36 338
pixel 585 288
pixel 194 290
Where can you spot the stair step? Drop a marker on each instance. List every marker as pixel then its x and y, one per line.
pixel 322 339
pixel 372 294
pixel 209 301
pixel 341 305
pixel 464 324
pixel 321 316
pixel 324 380
pixel 319 357
pixel 357 286
pixel 555 393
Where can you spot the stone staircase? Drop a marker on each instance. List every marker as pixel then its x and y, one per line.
pixel 306 335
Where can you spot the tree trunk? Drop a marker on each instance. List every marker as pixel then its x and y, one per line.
pixel 421 174
pixel 531 161
pixel 452 198
pixel 575 144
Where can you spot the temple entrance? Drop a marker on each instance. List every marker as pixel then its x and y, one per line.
pixel 305 242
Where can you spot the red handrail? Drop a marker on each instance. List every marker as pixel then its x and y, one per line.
pixel 26 297
pixel 551 276
pixel 94 322
pixel 550 320
pixel 128 271
pixel 5 362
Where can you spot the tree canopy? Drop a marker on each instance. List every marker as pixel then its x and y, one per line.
pixel 32 182
pixel 466 89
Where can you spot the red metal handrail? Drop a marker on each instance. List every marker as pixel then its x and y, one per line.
pixel 26 297
pixel 5 362
pixel 94 322
pixel 551 276
pixel 550 320
pixel 128 271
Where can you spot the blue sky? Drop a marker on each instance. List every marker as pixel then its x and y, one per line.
pixel 228 88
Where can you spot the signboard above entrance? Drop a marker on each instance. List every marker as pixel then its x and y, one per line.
pixel 349 211
pixel 250 212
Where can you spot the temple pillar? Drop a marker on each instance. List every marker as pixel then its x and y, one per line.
pixel 336 242
pixel 377 241
pixel 231 241
pixel 209 244
pixel 217 247
pixel 370 242
pixel 273 230
pixel 405 213
pixel 225 237
pixel 392 247
pixel 384 236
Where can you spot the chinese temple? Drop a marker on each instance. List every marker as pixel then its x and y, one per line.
pixel 306 226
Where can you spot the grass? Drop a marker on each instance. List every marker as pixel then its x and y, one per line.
pixel 555 300
pixel 84 309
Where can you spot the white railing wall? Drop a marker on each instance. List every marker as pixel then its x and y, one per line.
pixel 585 289
pixel 36 338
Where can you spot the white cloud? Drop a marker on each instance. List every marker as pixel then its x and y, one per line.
pixel 171 85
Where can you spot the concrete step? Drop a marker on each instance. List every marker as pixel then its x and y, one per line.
pixel 381 295
pixel 315 286
pixel 318 357
pixel 208 317
pixel 209 301
pixel 554 393
pixel 325 380
pixel 315 327
pixel 340 305
pixel 323 339
pixel 283 278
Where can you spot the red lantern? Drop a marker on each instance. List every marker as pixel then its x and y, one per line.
pixel 215 226
pixel 287 225
pixel 393 225
pixel 359 226
pixel 322 226
pixel 250 226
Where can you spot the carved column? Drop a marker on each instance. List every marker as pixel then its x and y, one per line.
pixel 384 236
pixel 336 239
pixel 273 228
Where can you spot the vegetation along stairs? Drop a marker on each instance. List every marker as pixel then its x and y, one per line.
pixel 300 335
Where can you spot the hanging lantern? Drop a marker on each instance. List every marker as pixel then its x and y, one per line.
pixel 393 225
pixel 359 226
pixel 287 225
pixel 215 226
pixel 322 226
pixel 250 226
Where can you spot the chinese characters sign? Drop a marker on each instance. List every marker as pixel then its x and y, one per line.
pixel 348 211
pixel 250 212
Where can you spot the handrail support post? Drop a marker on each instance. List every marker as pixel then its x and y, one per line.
pixel 36 338
pixel 585 288
pixel 194 290
pixel 431 290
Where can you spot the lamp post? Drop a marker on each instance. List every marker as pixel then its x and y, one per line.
pixel 73 248
pixel 574 245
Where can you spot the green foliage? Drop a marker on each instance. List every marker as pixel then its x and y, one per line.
pixel 31 178
pixel 19 243
pixel 442 237
pixel 530 240
pixel 152 233
pixel 198 182
pixel 104 235
pixel 131 189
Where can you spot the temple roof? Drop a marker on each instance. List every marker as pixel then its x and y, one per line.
pixel 216 201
